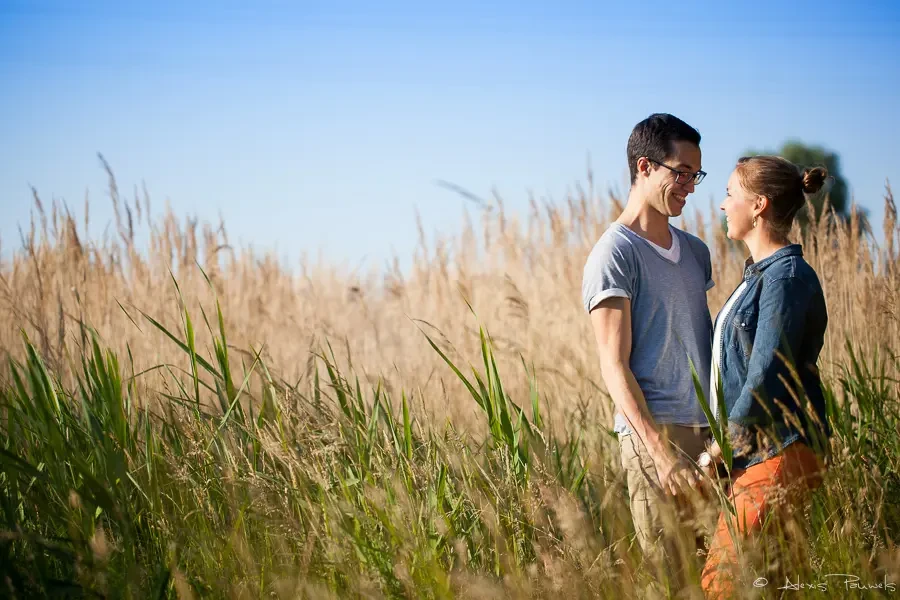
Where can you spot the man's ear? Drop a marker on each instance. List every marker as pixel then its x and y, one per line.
pixel 643 166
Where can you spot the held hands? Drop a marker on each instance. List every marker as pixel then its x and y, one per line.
pixel 676 476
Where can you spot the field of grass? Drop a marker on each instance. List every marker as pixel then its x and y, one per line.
pixel 184 419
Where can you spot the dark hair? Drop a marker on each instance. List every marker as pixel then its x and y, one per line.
pixel 783 183
pixel 655 138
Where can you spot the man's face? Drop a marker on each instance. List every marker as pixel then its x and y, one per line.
pixel 669 196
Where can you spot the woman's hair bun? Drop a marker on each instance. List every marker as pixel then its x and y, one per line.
pixel 814 179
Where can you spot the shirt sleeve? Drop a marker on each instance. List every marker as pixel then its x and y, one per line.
pixel 608 273
pixel 707 264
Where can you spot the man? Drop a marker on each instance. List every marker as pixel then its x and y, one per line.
pixel 644 286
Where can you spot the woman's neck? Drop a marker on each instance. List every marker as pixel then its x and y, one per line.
pixel 763 244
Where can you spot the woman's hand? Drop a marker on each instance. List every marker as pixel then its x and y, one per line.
pixel 709 460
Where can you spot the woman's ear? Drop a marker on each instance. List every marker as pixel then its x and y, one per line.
pixel 762 203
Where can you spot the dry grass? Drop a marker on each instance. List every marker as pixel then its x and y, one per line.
pixel 521 275
pixel 324 500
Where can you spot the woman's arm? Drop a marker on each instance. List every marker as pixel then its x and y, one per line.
pixel 783 305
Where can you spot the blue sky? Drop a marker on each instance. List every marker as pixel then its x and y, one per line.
pixel 323 126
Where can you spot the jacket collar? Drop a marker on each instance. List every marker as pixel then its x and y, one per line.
pixel 751 268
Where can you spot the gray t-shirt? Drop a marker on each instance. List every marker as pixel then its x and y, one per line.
pixel 670 318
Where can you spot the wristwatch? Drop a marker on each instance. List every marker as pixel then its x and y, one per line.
pixel 705 459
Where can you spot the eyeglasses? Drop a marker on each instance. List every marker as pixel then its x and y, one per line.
pixel 682 177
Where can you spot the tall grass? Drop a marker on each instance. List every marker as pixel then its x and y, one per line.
pixel 188 420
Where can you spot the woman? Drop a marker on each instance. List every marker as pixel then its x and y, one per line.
pixel 767 339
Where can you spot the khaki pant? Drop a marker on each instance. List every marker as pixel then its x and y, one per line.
pixel 660 520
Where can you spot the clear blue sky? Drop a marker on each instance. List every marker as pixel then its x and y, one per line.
pixel 324 125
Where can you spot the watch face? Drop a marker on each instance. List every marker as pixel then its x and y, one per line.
pixel 705 459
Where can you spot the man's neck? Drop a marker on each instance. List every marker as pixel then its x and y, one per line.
pixel 646 221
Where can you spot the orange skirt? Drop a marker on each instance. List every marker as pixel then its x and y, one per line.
pixel 756 492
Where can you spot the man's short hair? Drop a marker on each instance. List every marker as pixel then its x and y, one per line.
pixel 655 138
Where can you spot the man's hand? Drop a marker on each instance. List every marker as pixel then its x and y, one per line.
pixel 676 476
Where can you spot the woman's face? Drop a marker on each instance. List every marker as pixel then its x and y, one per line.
pixel 738 205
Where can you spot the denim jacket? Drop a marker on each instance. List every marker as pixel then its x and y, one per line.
pixel 781 313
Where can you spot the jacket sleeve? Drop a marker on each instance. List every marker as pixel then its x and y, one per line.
pixel 783 305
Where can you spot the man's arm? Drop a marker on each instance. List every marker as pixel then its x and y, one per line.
pixel 611 321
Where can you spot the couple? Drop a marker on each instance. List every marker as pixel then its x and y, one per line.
pixel 645 285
